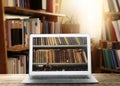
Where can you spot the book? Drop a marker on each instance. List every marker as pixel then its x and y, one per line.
pixel 8 32
pixel 50 6
pixel 114 57
pixel 106 58
pixel 17 64
pixel 115 5
pixel 112 30
pixel 107 27
pixel 106 6
pixel 116 27
pixel 57 28
pixel 118 56
pixel 118 3
pixel 14 32
pixel 103 34
pixel 111 6
pixel 110 59
pixel 9 3
pixel 35 25
pixel 44 4
pixel 36 5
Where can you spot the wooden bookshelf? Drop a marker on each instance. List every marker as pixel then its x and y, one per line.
pixel 101 56
pixel 18 48
pixel 20 12
pixel 109 43
pixel 3 49
pixel 101 67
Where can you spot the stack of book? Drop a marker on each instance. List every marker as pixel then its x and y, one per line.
pixel 17 64
pixel 111 5
pixel 59 56
pixel 59 41
pixel 111 54
pixel 111 29
pixel 46 5
pixel 18 30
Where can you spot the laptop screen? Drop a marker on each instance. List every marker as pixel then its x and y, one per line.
pixel 59 53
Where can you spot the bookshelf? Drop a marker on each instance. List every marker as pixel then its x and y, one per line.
pixel 20 12
pixel 109 56
pixel 109 43
pixel 59 53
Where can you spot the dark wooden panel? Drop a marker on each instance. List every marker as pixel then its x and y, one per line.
pixel 3 50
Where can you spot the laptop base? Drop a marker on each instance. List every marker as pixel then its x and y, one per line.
pixel 29 80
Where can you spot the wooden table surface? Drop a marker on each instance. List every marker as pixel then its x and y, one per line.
pixel 16 79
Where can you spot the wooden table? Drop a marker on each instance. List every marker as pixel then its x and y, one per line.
pixel 16 79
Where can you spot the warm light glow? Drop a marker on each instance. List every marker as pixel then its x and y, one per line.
pixel 87 12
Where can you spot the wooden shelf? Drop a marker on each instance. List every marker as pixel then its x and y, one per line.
pixel 32 13
pixel 18 48
pixel 59 46
pixel 113 13
pixel 109 70
pixel 60 64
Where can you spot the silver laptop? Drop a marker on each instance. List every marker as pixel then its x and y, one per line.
pixel 59 58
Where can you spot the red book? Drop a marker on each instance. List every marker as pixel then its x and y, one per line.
pixel 112 31
pixel 51 6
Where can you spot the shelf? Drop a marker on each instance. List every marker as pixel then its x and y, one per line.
pixel 109 41
pixel 109 70
pixel 59 46
pixel 18 48
pixel 32 13
pixel 113 13
pixel 60 64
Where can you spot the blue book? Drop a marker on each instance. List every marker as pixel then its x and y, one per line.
pixel 111 59
pixel 104 59
pixel 115 59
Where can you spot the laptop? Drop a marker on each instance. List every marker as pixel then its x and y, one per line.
pixel 59 58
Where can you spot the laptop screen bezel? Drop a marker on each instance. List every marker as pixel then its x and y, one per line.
pixel 49 73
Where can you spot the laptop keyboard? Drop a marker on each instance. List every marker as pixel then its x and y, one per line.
pixel 63 77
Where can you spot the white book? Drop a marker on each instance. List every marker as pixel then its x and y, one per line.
pixel 9 65
pixel 57 27
pixel 118 21
pixel 118 56
pixel 104 30
pixel 24 64
pixel 8 3
pixel 118 3
pixel 106 6
pixel 44 4
pixel 35 25
pixel 116 27
pixel 115 5
pixel 52 28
